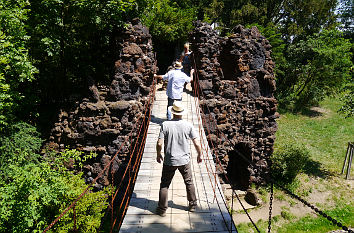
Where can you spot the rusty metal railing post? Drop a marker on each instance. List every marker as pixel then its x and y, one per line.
pixel 349 158
pixel 346 157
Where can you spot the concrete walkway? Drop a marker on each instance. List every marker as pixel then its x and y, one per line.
pixel 211 214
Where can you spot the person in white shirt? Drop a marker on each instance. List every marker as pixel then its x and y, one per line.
pixel 176 80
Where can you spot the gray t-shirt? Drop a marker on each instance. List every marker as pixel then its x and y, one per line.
pixel 176 135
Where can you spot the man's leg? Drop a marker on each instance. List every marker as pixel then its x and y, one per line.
pixel 186 172
pixel 167 174
pixel 169 103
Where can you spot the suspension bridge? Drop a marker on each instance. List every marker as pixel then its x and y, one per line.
pixel 135 195
pixel 211 214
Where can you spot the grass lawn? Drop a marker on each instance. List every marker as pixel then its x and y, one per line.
pixel 325 134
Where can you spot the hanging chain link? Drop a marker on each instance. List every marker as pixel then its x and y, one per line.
pixel 270 207
pixel 320 212
pixel 271 197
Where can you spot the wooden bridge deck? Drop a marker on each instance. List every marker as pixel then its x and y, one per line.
pixel 211 214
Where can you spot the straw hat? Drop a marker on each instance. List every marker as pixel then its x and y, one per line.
pixel 177 108
pixel 178 65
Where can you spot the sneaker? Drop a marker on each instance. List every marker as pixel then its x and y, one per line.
pixel 160 212
pixel 192 208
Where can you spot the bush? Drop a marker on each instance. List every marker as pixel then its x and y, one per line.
pixel 19 144
pixel 288 161
pixel 37 194
pixel 34 191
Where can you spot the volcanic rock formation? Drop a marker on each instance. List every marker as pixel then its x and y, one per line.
pixel 101 122
pixel 236 82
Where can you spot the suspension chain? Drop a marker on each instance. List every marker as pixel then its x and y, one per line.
pixel 271 197
pixel 320 212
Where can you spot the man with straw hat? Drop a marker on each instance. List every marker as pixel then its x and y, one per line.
pixel 176 80
pixel 175 135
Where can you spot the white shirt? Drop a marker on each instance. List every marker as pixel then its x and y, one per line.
pixel 176 79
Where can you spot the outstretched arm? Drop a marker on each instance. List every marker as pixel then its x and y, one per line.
pixel 191 74
pixel 158 76
pixel 159 143
pixel 198 148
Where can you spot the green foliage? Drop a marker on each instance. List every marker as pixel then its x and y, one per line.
pixel 72 41
pixel 89 209
pixel 346 14
pixel 20 143
pixel 286 214
pixel 33 191
pixel 15 64
pixel 294 18
pixel 77 158
pixel 248 13
pixel 318 67
pixel 348 104
pixel 288 162
pixel 167 21
pixel 37 194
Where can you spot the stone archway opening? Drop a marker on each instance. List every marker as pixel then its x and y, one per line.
pixel 238 166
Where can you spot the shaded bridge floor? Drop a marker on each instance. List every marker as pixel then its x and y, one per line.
pixel 211 214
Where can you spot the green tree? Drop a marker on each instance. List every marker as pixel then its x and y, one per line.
pixel 292 17
pixel 168 21
pixel 16 68
pixel 35 194
pixel 346 14
pixel 319 66
pixel 73 41
pixel 18 144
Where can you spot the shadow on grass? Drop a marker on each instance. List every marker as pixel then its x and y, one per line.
pixel 305 111
pixel 311 112
pixel 309 167
pixel 314 168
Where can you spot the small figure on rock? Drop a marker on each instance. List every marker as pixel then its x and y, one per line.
pixel 186 59
pixel 176 79
pixel 175 136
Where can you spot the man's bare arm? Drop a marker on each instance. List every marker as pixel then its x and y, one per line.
pixel 158 76
pixel 191 74
pixel 159 143
pixel 198 148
